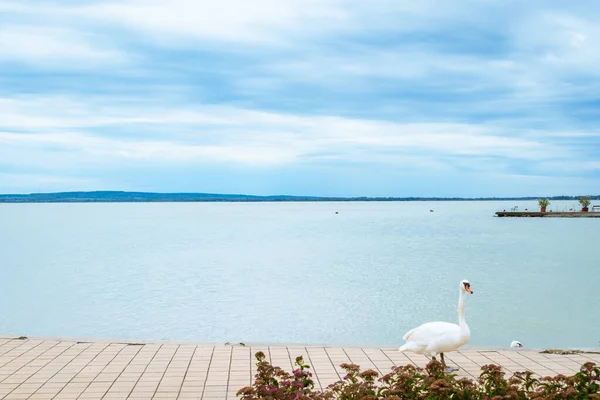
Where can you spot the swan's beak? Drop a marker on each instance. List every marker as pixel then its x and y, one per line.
pixel 468 289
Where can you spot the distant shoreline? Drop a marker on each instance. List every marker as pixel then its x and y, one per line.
pixel 150 197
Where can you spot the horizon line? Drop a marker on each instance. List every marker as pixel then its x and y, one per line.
pixel 99 195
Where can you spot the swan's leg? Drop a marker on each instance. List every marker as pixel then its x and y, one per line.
pixel 446 368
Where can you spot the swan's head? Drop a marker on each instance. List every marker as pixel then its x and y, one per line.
pixel 516 343
pixel 465 286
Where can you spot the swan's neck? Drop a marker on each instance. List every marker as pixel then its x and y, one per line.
pixel 464 328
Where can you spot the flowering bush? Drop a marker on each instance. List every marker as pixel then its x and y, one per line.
pixel 410 382
pixel 274 383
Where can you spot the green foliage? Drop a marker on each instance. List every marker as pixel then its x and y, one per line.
pixel 274 383
pixel 114 196
pixel 410 382
pixel 544 202
pixel 584 201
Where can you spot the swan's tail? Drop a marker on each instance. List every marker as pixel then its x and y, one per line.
pixel 409 334
pixel 409 346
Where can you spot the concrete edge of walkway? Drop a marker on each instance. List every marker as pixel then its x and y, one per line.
pixel 80 339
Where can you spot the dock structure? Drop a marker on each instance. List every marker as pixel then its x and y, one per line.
pixel 75 369
pixel 549 214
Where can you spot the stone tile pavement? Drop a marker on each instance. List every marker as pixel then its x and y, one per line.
pixel 57 369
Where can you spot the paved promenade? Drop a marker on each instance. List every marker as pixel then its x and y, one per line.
pixel 58 369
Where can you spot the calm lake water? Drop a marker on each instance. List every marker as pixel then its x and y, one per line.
pixel 297 272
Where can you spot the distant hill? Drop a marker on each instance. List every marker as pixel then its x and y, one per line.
pixel 129 197
pixel 118 196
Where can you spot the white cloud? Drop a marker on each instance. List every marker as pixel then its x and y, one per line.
pixel 88 132
pixel 7 6
pixel 319 38
pixel 260 21
pixel 561 42
pixel 420 85
pixel 571 167
pixel 20 182
pixel 54 46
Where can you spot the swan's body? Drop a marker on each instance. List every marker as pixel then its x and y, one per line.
pixel 516 343
pixel 433 338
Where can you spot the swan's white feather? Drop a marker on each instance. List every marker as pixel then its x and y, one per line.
pixel 431 331
pixel 433 338
pixel 408 334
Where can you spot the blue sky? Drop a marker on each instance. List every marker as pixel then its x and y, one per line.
pixel 305 97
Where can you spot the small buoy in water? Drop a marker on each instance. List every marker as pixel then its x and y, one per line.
pixel 430 210
pixel 516 343
pixel 337 212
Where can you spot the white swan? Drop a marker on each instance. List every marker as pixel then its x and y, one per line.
pixel 515 343
pixel 433 338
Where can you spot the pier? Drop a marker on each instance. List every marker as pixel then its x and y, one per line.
pixel 550 214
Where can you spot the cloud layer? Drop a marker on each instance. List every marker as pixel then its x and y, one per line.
pixel 320 97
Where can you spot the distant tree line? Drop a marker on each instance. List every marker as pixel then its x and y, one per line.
pixel 131 197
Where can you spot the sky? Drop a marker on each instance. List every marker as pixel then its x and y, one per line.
pixel 303 97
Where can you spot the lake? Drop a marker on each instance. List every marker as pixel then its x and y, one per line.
pixel 298 272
